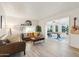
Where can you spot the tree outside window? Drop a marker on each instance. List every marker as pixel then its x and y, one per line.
pixel 56 28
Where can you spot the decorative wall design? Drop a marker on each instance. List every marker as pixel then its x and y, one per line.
pixel 75 27
pixel 27 23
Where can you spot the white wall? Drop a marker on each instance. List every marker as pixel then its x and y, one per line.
pixel 15 22
pixel 74 39
pixel 2 13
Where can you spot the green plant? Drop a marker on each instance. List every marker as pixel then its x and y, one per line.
pixel 38 28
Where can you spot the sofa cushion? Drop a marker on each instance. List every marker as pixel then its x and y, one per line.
pixel 7 41
pixel 3 42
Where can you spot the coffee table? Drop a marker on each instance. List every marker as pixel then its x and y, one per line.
pixel 35 39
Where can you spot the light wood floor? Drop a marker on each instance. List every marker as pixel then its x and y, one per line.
pixel 49 48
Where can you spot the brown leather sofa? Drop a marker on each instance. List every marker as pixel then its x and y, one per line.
pixel 12 48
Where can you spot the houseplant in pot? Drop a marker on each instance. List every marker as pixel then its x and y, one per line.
pixel 38 29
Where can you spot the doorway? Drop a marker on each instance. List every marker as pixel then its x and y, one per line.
pixel 58 29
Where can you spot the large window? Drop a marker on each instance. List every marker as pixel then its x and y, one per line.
pixel 65 29
pixel 60 26
pixel 56 28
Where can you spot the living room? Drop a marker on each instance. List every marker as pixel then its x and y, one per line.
pixel 23 30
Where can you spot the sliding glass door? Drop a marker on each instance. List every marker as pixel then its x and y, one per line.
pixel 58 29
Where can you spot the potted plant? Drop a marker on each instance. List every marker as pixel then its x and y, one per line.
pixel 38 29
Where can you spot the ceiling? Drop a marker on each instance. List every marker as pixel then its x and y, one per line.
pixel 37 10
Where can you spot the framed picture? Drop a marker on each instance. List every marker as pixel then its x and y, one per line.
pixel 0 22
pixel 75 26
